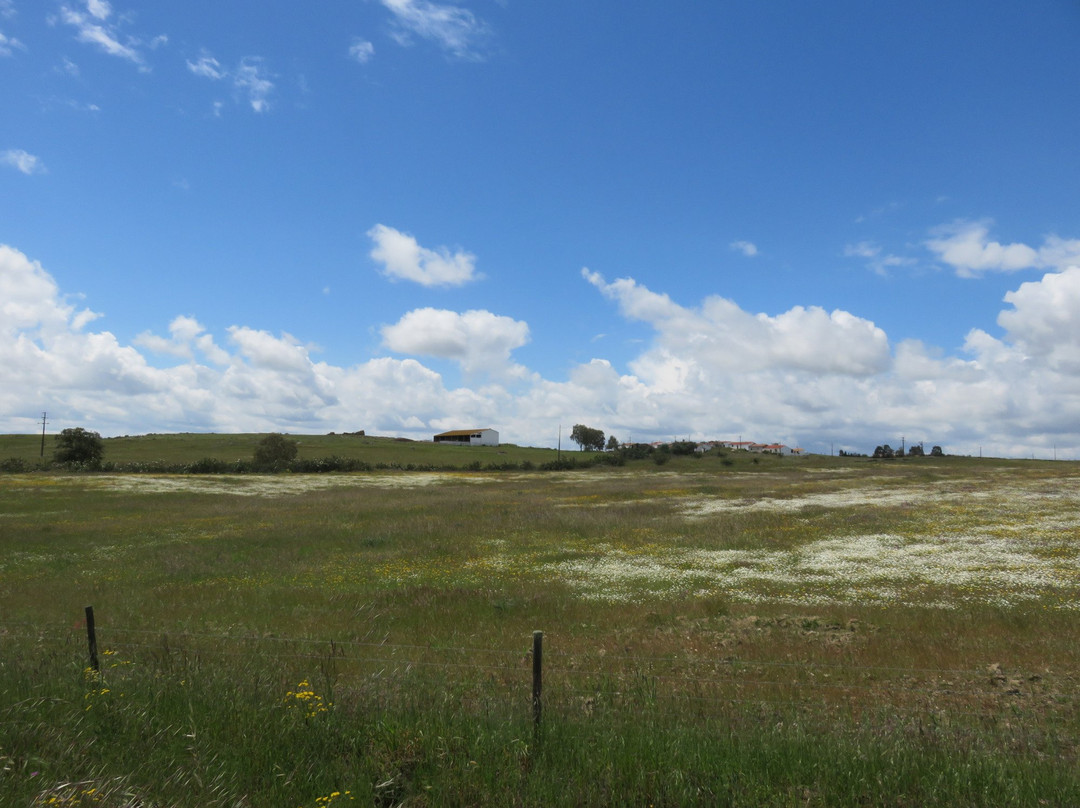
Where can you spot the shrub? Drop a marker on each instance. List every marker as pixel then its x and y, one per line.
pixel 209 465
pixel 274 452
pixel 79 447
pixel 565 464
pixel 609 459
pixel 14 465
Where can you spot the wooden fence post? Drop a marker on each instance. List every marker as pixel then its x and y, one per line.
pixel 538 667
pixel 91 637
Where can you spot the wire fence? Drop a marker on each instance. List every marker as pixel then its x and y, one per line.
pixel 581 685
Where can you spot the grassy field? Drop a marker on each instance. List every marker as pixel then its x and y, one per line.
pixel 184 448
pixel 807 632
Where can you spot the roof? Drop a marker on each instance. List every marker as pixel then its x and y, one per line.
pixel 453 433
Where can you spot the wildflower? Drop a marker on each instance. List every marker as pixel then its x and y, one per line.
pixel 306 699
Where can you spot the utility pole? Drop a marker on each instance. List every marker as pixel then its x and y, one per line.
pixel 44 420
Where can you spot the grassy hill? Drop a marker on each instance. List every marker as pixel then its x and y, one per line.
pixel 180 449
pixel 162 451
pixel 188 447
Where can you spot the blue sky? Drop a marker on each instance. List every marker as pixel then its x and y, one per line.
pixel 830 225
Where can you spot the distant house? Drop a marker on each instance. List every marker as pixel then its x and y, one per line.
pixel 469 437
pixel 777 448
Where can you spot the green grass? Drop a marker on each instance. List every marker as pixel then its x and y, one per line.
pixel 726 670
pixel 186 448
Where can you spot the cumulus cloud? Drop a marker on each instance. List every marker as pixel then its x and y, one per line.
pixel 186 336
pixel 966 247
pixel 361 50
pixel 403 258
pixel 710 369
pixel 479 340
pixel 1044 318
pixel 720 335
pixel 456 30
pixel 22 161
pixel 249 78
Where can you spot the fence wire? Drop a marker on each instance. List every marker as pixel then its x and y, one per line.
pixel 587 684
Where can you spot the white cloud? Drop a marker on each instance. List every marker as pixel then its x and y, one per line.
pixel 721 336
pixel 249 78
pixel 1059 253
pixel 1044 322
pixel 93 27
pixel 877 261
pixel 404 259
pixel 22 161
pixel 262 349
pixel 803 377
pixel 456 30
pixel 99 9
pixel 207 67
pixel 967 248
pixel 361 50
pixel 747 248
pixel 186 336
pixel 8 45
pixel 479 340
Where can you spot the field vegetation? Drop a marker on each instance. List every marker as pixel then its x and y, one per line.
pixel 179 452
pixel 791 632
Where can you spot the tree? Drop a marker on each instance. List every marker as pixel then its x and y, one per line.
pixel 77 445
pixel 274 452
pixel 587 438
pixel 612 443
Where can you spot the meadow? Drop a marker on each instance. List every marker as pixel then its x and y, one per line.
pixel 790 632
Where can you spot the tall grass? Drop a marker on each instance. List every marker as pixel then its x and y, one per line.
pixel 401 607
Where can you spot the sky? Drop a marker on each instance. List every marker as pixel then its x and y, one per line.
pixel 830 225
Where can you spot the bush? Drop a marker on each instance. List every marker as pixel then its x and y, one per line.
pixel 79 447
pixel 609 459
pixel 14 465
pixel 636 451
pixel 274 452
pixel 564 464
pixel 209 465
